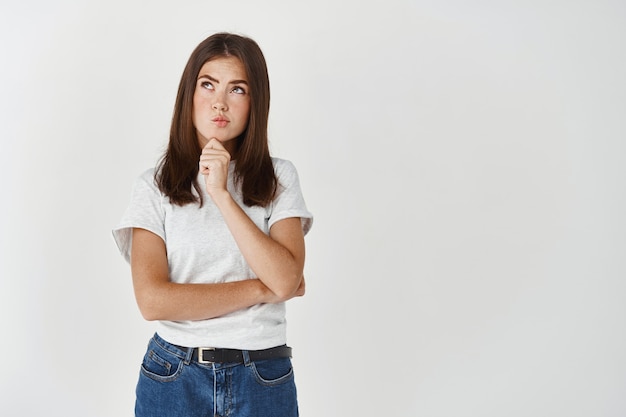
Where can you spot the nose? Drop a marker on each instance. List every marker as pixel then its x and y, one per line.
pixel 220 105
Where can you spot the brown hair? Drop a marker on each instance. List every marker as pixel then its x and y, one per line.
pixel 177 170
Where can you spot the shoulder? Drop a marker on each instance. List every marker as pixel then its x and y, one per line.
pixel 283 167
pixel 145 181
pixel 147 175
pixel 286 173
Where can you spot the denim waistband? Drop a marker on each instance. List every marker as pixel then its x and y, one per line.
pixel 187 353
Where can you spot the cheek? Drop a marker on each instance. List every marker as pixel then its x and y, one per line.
pixel 198 110
pixel 245 111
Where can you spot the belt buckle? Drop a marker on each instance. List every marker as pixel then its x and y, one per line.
pixel 201 355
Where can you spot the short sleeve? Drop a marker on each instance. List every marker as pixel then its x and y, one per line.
pixel 289 201
pixel 144 211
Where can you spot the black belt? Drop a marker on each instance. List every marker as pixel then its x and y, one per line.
pixel 212 355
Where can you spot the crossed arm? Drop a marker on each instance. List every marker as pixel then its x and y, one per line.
pixel 277 259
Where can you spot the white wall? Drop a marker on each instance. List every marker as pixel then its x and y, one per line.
pixel 464 160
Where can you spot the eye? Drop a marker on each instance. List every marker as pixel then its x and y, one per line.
pixel 238 90
pixel 207 85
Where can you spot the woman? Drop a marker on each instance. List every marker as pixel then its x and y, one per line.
pixel 215 239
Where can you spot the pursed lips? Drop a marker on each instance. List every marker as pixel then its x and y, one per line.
pixel 220 121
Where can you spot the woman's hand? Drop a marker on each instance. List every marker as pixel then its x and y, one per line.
pixel 301 289
pixel 214 162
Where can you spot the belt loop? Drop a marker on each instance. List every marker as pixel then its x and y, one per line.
pixel 188 356
pixel 246 357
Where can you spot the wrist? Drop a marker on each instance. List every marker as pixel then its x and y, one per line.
pixel 220 197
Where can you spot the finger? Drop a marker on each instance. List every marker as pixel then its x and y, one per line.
pixel 213 143
pixel 218 152
pixel 211 154
pixel 204 167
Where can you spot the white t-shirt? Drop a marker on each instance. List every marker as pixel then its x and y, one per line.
pixel 201 249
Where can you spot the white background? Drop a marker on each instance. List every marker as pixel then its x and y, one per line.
pixel 464 161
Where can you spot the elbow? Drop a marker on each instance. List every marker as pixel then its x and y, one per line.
pixel 283 294
pixel 288 288
pixel 148 307
pixel 148 313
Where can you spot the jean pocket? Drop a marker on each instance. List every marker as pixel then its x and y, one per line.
pixel 161 366
pixel 273 371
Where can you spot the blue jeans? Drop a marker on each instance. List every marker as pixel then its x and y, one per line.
pixel 172 384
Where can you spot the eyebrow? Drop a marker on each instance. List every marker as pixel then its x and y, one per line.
pixel 217 81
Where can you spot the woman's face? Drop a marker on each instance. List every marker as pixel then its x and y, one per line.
pixel 221 101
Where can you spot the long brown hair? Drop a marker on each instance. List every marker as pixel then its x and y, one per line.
pixel 177 170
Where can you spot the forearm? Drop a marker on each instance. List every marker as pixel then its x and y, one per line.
pixel 172 301
pixel 276 266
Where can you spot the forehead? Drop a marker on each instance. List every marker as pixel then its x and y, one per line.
pixel 224 68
